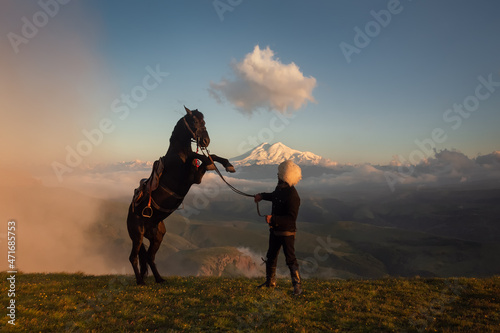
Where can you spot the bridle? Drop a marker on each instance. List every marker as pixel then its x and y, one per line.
pixel 193 134
pixel 148 212
pixel 194 137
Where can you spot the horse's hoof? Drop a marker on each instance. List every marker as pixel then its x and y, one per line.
pixel 160 281
pixel 141 283
pixel 230 169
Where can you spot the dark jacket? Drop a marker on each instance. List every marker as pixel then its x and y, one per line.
pixel 286 202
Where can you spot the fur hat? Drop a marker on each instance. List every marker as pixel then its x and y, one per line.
pixel 289 172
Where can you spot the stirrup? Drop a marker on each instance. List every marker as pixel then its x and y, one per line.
pixel 145 212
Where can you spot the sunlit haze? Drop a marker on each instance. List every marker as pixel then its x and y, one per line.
pixel 352 97
pixel 384 93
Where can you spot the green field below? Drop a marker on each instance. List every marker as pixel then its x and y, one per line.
pixel 113 303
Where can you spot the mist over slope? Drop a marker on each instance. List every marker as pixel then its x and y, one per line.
pixel 51 226
pixel 441 221
pixel 208 244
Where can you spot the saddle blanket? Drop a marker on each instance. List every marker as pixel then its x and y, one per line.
pixel 148 185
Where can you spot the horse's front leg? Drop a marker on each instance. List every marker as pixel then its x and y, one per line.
pixel 224 161
pixel 206 163
pixel 198 170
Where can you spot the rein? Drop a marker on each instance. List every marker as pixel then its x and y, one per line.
pixel 234 189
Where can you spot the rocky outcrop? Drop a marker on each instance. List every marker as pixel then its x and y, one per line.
pixel 213 261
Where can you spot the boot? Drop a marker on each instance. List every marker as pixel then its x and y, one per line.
pixel 270 276
pixel 294 273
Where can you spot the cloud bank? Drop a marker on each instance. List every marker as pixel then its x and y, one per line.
pixel 447 167
pixel 56 226
pixel 263 82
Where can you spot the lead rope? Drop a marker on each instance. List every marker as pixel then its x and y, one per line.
pixel 234 189
pixel 258 210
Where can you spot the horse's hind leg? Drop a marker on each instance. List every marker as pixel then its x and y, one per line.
pixel 136 245
pixel 136 233
pixel 143 261
pixel 154 245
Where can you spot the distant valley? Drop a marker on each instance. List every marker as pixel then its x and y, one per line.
pixel 351 225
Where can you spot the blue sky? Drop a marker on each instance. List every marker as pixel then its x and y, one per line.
pixel 394 91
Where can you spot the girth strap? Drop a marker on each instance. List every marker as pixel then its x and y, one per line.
pixel 157 207
pixel 148 212
pixel 172 193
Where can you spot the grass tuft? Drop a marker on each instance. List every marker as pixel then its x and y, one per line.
pixel 78 302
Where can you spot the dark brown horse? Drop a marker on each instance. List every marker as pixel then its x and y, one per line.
pixel 180 172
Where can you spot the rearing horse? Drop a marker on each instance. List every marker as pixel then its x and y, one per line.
pixel 179 173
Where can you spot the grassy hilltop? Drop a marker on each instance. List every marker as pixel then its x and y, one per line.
pixel 82 303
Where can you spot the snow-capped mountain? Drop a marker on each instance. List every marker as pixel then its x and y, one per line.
pixel 267 154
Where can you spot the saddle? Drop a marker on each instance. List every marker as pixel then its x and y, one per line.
pixel 146 187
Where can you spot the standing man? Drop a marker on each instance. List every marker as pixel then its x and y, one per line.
pixel 285 208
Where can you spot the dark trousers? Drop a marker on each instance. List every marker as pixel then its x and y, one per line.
pixel 275 243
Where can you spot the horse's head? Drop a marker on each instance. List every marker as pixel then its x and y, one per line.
pixel 195 123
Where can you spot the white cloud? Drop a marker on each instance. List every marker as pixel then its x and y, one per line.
pixel 451 164
pixel 262 81
pixel 450 167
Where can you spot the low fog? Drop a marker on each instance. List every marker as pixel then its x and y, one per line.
pixel 82 226
pixel 46 77
pixel 51 226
